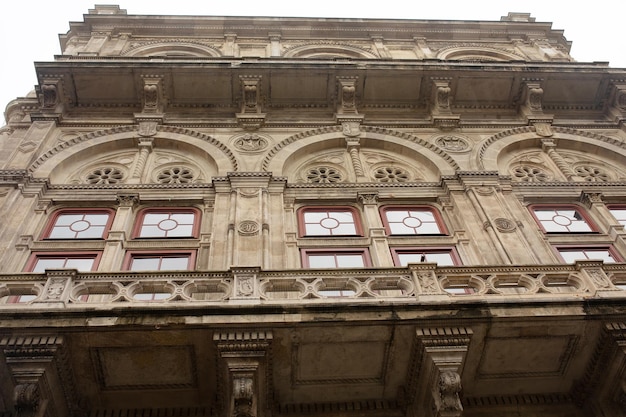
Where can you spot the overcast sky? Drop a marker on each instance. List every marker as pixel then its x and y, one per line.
pixel 30 28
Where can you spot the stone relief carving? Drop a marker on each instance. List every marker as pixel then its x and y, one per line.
pixel 391 174
pixel 351 129
pixel 452 143
pixel 243 395
pixel 530 173
pixel 245 285
pixel 535 98
pixel 147 128
pixel 105 175
pixel 591 173
pixel 591 169
pixel 49 96
pixel 449 389
pixel 504 225
pixel 324 175
pixel 248 228
pixel 111 169
pixel 385 167
pixel 250 142
pixel 175 175
pixel 329 167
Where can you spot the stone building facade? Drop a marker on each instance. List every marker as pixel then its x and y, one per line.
pixel 254 217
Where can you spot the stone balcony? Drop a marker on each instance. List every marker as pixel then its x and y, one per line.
pixel 417 284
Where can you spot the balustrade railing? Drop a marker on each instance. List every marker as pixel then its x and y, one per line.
pixel 418 282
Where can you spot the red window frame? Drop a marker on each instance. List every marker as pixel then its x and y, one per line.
pixel 35 257
pixel 437 220
pixel 356 220
pixel 362 252
pixel 563 207
pixel 396 252
pixel 131 255
pixel 52 222
pixel 582 248
pixel 169 211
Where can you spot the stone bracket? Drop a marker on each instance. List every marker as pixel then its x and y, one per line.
pixel 435 379
pixel 244 361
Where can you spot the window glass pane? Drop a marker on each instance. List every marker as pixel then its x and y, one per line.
pixel 183 218
pixel 620 215
pixel 314 216
pixel 97 219
pixel 350 261
pixel 562 220
pixel 441 258
pixel 329 223
pixel 82 264
pixel 316 230
pixel 154 218
pixel 412 222
pixel 344 229
pixel 79 226
pixel 181 231
pixel 67 219
pixel 151 231
pixel 399 229
pixel 144 264
pixel 411 258
pixel 58 232
pixel 42 264
pixel 570 256
pixel 322 261
pixel 174 263
pixel 341 216
pixel 94 232
pixel 167 224
pixel 396 215
pixel 604 255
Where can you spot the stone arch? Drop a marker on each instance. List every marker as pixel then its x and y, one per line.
pixel 59 162
pixel 476 53
pixel 328 50
pixel 496 150
pixel 286 154
pixel 171 48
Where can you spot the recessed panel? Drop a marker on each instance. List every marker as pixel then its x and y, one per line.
pixel 512 357
pixel 359 362
pixel 157 367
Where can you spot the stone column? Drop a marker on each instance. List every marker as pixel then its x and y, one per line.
pixel 549 147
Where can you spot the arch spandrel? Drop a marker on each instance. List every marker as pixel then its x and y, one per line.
pixel 174 149
pixel 477 53
pixel 174 48
pixel 500 151
pixel 328 50
pixel 412 158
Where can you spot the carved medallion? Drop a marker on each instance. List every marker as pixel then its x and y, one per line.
pixel 250 142
pixel 248 227
pixel 504 225
pixel 452 143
